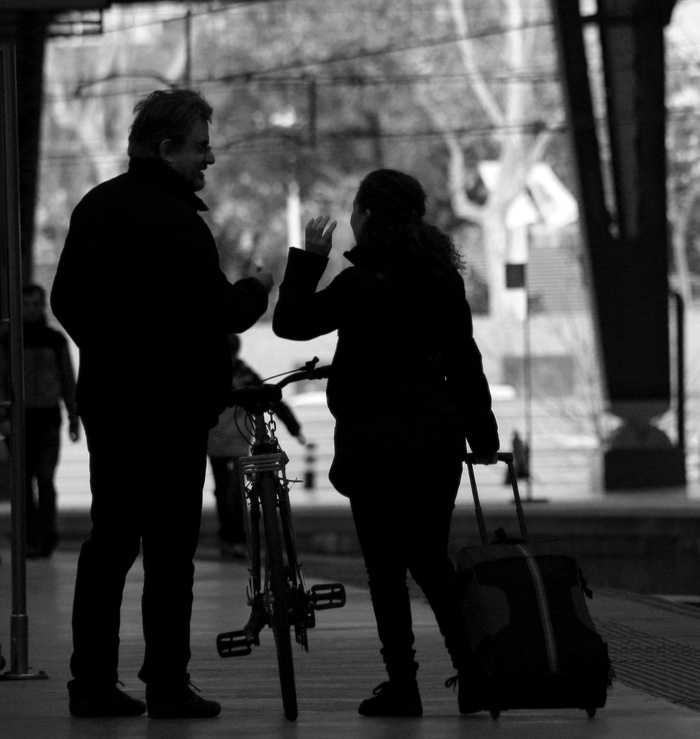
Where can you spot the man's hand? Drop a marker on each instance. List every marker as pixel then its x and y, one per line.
pixel 318 242
pixel 263 275
pixel 486 458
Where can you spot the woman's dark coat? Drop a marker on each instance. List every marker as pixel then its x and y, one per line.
pixel 407 375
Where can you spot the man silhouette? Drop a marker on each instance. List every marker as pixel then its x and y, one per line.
pixel 139 290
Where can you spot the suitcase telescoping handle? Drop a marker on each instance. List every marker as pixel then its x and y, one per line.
pixel 506 457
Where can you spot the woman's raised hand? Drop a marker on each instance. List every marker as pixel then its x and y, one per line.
pixel 318 242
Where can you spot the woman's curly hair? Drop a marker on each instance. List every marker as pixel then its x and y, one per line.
pixel 395 229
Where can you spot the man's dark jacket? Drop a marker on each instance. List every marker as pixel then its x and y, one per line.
pixel 140 291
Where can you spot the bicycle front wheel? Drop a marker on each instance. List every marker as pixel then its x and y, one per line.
pixel 278 598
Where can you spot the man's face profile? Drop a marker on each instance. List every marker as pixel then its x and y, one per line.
pixel 191 157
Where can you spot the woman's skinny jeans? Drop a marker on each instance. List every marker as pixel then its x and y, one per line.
pixel 403 524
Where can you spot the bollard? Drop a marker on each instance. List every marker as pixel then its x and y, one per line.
pixel 310 466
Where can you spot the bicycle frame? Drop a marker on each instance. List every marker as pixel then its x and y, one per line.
pixel 276 592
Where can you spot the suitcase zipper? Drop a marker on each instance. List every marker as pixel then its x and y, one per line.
pixel 545 617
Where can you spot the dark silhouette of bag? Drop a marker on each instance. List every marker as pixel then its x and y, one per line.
pixel 525 606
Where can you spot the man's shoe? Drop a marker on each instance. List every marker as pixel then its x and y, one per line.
pixel 91 702
pixel 397 698
pixel 179 702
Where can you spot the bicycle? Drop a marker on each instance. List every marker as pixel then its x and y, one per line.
pixel 277 595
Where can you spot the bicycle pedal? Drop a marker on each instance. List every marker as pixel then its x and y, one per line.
pixel 234 644
pixel 328 595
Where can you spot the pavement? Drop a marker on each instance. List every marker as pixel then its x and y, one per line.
pixel 654 645
pixel 654 640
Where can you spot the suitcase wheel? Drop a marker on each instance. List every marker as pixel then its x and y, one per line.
pixel 591 712
pixel 495 713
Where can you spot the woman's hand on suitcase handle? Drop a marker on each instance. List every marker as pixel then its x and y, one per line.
pixel 485 458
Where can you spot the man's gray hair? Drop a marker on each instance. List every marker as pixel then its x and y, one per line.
pixel 165 114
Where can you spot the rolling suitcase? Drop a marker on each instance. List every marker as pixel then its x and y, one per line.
pixel 535 643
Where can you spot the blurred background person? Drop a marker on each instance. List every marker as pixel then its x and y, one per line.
pixel 521 458
pixel 229 440
pixel 49 383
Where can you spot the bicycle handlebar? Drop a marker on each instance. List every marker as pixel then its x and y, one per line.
pixel 260 398
pixel 308 372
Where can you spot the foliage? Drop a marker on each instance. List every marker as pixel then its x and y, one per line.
pixel 319 94
pixel 683 144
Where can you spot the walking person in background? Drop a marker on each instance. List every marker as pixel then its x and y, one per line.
pixel 405 365
pixel 139 290
pixel 521 458
pixel 49 383
pixel 228 440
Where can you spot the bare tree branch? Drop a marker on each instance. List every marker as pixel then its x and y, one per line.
pixel 466 51
pixel 462 206
pixel 681 220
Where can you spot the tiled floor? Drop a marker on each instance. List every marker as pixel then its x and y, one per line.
pixel 341 668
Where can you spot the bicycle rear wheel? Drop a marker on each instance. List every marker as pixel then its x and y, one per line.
pixel 278 598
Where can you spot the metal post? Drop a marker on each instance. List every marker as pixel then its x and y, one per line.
pixel 527 381
pixel 10 235
pixel 680 368
pixel 188 48
pixel 310 466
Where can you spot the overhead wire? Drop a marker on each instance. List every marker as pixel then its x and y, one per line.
pixel 275 75
pixel 338 58
pixel 194 11
pixel 249 75
pixel 268 142
pixel 334 81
